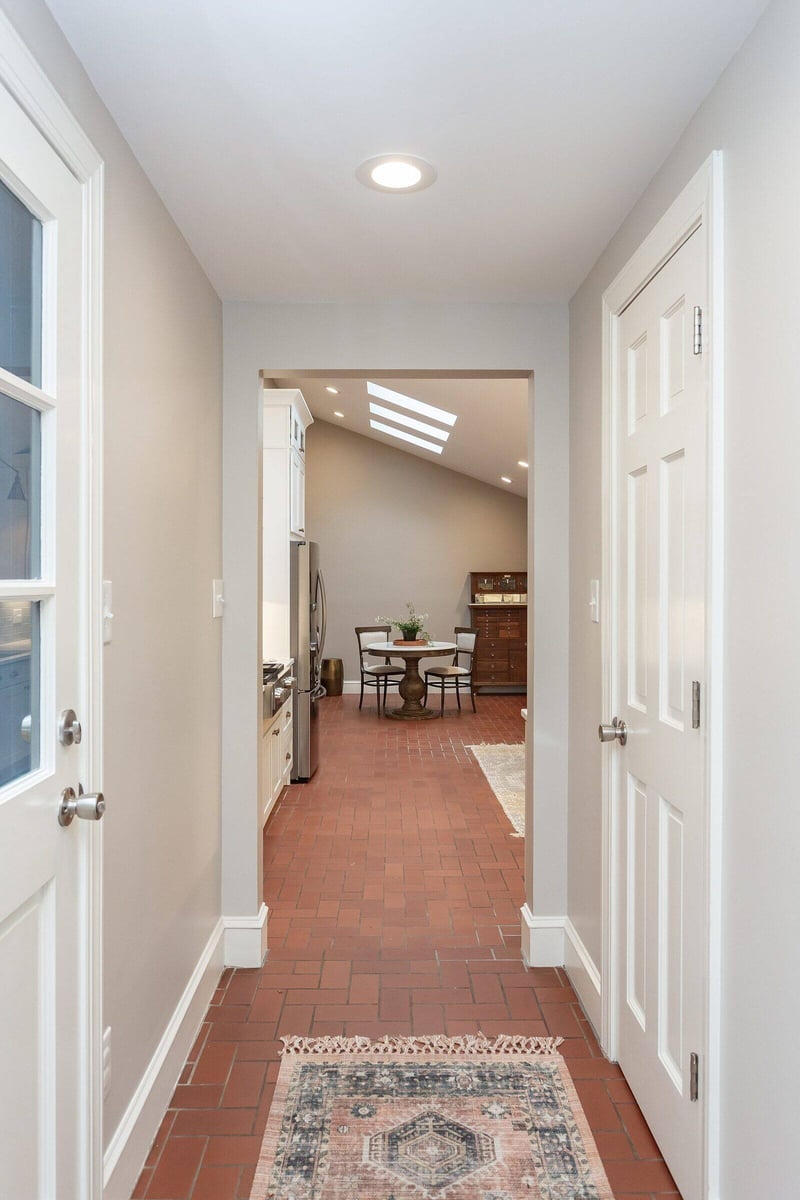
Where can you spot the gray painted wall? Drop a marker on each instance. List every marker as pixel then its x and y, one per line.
pixel 753 115
pixel 393 528
pixel 162 540
pixel 280 338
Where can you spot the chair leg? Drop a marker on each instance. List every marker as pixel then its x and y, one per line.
pixel 385 690
pixel 361 701
pixel 425 694
pixel 458 695
pixel 472 696
pixel 441 710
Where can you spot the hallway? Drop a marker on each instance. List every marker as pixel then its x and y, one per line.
pixel 394 888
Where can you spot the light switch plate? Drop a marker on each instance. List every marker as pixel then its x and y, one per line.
pixel 108 612
pixel 594 600
pixel 106 1061
pixel 217 597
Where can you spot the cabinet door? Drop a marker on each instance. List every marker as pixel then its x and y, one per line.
pixel 266 782
pixel 286 748
pixel 297 492
pixel 275 761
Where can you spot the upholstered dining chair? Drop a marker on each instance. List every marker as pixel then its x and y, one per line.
pixel 373 672
pixel 458 674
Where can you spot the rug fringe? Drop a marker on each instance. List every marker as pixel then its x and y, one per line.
pixel 469 1043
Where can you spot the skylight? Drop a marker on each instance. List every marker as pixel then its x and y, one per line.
pixel 424 410
pixel 389 414
pixel 406 437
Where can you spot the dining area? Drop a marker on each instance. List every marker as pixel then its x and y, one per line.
pixel 450 668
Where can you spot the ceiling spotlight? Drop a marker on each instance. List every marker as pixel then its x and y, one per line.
pixel 336 413
pixel 521 463
pixel 505 479
pixel 396 173
pixel 333 391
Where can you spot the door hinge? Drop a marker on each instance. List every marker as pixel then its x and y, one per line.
pixel 695 704
pixel 694 1077
pixel 697 341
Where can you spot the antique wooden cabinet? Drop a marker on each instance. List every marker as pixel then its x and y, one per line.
pixel 499 611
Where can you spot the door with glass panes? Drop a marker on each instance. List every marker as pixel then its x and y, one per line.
pixel 44 1084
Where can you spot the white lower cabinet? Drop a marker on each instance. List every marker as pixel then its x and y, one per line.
pixel 276 750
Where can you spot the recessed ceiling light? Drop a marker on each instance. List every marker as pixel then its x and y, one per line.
pixel 424 410
pixel 505 479
pixel 406 437
pixel 396 173
pixel 333 391
pixel 388 414
pixel 521 463
pixel 336 413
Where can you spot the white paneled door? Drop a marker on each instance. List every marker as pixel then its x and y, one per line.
pixel 661 472
pixel 43 1050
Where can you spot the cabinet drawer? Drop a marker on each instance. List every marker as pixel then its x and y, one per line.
pixel 491 645
pixel 493 675
pixel 497 658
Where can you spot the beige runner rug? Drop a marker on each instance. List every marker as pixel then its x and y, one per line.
pixel 467 1118
pixel 504 767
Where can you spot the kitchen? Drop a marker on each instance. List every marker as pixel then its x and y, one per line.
pixel 392 525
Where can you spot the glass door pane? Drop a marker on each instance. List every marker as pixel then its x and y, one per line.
pixel 19 688
pixel 20 490
pixel 20 289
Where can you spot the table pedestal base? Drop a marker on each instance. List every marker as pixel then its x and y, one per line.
pixel 412 689
pixel 407 713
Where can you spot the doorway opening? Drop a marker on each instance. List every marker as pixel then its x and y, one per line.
pixel 414 501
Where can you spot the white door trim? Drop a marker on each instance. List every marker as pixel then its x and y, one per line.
pixel 22 76
pixel 700 203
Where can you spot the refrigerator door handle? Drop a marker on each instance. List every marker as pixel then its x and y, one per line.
pixel 322 599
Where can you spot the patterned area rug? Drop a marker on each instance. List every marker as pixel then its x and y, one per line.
pixel 466 1118
pixel 504 767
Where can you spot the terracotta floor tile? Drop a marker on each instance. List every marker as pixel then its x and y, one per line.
pixel 394 888
pixel 174 1177
pixel 217 1183
pixel 244 1086
pixel 242 1151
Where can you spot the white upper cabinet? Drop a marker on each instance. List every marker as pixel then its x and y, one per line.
pixel 286 419
pixel 297 494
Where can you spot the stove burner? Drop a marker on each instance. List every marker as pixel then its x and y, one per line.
pixel 272 670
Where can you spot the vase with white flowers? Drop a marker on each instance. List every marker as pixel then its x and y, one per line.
pixel 411 626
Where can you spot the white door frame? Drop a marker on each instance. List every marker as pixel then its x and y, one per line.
pixel 700 203
pixel 22 76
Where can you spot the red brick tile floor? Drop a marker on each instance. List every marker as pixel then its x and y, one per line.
pixel 394 886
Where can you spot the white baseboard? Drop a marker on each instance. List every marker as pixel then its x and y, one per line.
pixel 584 975
pixel 133 1137
pixel 542 939
pixel 246 939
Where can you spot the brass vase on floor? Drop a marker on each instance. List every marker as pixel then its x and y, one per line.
pixel 332 676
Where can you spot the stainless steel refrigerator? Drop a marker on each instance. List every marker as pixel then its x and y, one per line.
pixel 307 628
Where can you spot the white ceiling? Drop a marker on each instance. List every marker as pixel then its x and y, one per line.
pixel 544 118
pixel 488 438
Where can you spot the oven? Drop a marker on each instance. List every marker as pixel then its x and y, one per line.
pixel 278 686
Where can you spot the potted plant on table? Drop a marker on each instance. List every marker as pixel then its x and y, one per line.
pixel 411 626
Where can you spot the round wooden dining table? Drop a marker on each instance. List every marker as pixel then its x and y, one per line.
pixel 412 685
